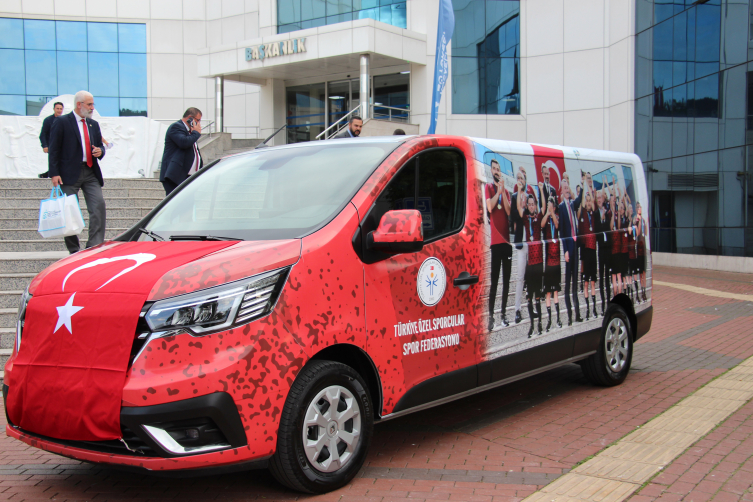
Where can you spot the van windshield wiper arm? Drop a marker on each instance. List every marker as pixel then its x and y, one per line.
pixel 201 238
pixel 155 237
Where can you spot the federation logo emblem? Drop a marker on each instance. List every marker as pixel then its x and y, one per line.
pixel 431 281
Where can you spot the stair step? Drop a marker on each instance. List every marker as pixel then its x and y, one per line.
pixel 37 245
pixel 112 212
pixel 109 183
pixel 8 317
pixel 10 299
pixel 31 234
pixel 28 262
pixel 7 338
pixel 111 202
pixel 23 224
pixel 15 282
pixel 43 193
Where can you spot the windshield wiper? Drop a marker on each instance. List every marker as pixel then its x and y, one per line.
pixel 154 236
pixel 201 238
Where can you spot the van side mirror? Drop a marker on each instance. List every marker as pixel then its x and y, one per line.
pixel 399 231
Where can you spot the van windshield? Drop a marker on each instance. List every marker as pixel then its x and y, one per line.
pixel 275 193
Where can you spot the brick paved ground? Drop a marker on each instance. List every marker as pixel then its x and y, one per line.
pixel 719 467
pixel 500 445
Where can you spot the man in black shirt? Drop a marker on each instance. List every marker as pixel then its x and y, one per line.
pixel 44 136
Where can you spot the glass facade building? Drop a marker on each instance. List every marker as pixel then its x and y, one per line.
pixel 486 62
pixel 295 15
pixel 693 130
pixel 42 59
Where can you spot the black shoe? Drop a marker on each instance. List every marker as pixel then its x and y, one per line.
pixel 569 319
pixel 549 325
pixel 518 317
pixel 578 318
pixel 45 174
pixel 530 331
pixel 588 312
pixel 491 323
pixel 559 324
pixel 505 322
pixel 541 331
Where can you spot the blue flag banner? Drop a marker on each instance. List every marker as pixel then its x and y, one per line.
pixel 445 27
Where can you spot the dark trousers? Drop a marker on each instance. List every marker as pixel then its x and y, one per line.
pixel 572 270
pixel 169 186
pixel 95 206
pixel 501 258
pixel 604 272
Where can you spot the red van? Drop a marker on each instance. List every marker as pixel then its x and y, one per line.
pixel 279 303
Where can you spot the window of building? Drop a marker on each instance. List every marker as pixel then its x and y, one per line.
pixel 486 62
pixel 42 59
pixel 692 124
pixel 295 15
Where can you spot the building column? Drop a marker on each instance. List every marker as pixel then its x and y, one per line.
pixel 272 111
pixel 365 85
pixel 219 98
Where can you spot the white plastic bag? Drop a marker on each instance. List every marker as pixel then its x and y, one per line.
pixel 74 220
pixel 52 214
pixel 60 215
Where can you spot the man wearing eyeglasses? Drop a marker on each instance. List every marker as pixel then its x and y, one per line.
pixel 181 157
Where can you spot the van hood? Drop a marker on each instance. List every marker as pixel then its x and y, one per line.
pixel 81 322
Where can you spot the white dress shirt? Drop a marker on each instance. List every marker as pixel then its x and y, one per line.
pixel 195 165
pixel 81 133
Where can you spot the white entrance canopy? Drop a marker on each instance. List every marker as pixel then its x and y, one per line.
pixel 315 52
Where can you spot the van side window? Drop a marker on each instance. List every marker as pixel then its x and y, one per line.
pixel 441 192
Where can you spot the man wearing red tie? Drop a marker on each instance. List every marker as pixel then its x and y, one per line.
pixel 75 149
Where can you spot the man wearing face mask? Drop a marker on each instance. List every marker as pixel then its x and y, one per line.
pixel 498 210
pixel 75 149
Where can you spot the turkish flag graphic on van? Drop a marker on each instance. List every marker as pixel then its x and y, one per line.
pixel 75 345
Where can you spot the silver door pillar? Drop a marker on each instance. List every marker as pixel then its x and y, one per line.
pixel 365 81
pixel 219 97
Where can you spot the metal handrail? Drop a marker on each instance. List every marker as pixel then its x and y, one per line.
pixel 344 117
pixel 390 108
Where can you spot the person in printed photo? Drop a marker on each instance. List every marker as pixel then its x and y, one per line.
pixel 587 238
pixel 641 246
pixel 535 266
pixel 569 235
pixel 519 198
pixel 498 210
pixel 553 272
pixel 632 290
pixel 546 190
pixel 604 242
pixel 618 232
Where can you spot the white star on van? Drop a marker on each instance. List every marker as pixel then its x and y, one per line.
pixel 65 313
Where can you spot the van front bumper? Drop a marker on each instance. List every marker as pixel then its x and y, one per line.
pixel 200 433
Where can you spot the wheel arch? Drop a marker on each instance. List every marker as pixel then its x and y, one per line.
pixel 623 301
pixel 359 360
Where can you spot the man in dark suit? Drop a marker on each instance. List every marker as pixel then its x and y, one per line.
pixel 75 149
pixel 546 190
pixel 568 211
pixel 353 130
pixel 181 157
pixel 44 136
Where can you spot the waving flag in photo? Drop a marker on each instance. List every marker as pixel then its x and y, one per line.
pixel 445 27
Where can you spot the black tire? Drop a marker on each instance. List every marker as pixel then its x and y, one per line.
pixel 291 464
pixel 607 369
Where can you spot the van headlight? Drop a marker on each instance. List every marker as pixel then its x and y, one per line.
pixel 220 307
pixel 21 317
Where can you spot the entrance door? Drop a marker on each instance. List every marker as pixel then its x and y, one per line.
pixel 339 100
pixel 419 322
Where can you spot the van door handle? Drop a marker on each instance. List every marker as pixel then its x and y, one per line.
pixel 465 280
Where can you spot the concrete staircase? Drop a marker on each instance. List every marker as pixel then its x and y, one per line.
pixel 218 145
pixel 24 253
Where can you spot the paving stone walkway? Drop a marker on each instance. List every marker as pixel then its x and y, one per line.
pixel 501 445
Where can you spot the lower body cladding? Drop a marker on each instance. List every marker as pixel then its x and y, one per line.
pixel 203 432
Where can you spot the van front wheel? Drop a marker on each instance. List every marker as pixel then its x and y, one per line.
pixel 325 429
pixel 611 363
